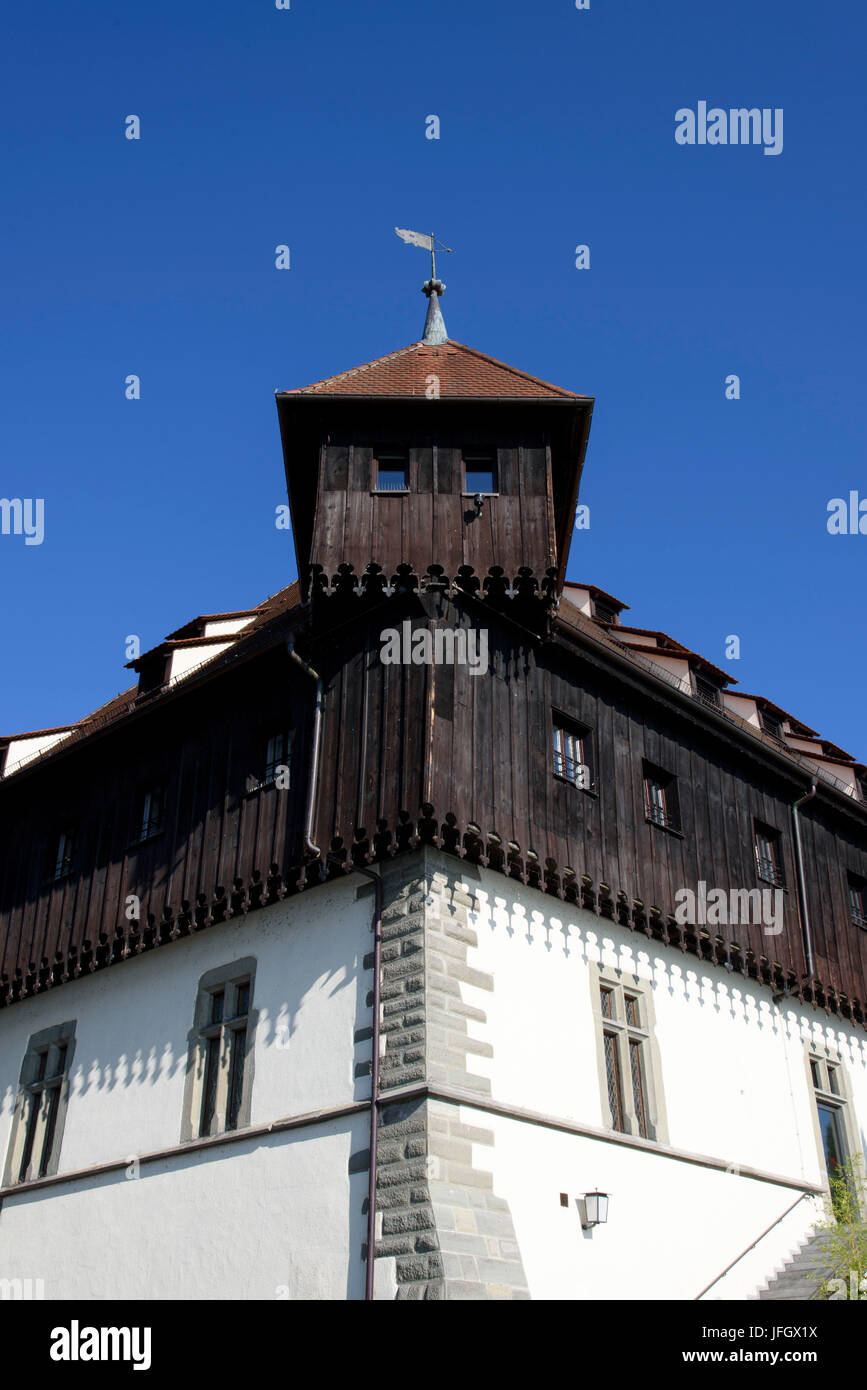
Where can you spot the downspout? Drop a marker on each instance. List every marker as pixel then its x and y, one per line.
pixel 309 846
pixel 802 884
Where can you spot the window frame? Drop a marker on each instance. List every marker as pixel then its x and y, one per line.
pixel 148 827
pixel 655 777
pixel 775 842
pixel 284 759
pixel 215 1101
pixel 469 456
pixel 39 1114
pixel 821 1058
pixel 643 1117
pixel 856 892
pixel 383 455
pixel 572 730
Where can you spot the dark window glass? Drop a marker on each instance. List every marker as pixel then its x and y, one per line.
pixel 34 1101
pixel 237 1048
pixel 768 862
pixel 218 999
pixel 607 1001
pixel 50 1127
pixel 242 1000
pixel 661 802
pixel 615 1090
pixel 153 813
pixel 637 1065
pixel 771 725
pixel 209 1095
pixel 604 612
pixel 631 1011
pixel 276 756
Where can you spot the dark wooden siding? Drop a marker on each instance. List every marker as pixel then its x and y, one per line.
pixel 397 739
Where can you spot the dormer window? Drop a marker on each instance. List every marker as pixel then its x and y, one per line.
pixel 392 472
pixel 604 612
pixel 707 692
pixel 771 725
pixel 480 474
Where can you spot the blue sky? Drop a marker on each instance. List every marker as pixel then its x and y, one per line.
pixel 307 127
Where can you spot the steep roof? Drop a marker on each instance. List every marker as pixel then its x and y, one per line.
pixel 462 371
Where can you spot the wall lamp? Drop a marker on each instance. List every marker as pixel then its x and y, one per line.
pixel 595 1209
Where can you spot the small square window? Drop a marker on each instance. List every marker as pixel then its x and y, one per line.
pixel 480 473
pixel 392 473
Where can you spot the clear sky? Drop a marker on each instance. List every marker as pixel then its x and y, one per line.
pixel 307 127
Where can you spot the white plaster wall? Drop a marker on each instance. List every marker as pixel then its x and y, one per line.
pixel 747 709
pixel 664 1238
pixel 22 750
pixel 228 625
pixel 126 1098
pixel 275 1217
pixel 735 1082
pixel 185 659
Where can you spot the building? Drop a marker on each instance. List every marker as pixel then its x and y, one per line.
pixel 436 825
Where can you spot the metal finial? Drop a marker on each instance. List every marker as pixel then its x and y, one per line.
pixel 434 326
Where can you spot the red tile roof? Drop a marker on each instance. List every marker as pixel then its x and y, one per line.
pixel 462 371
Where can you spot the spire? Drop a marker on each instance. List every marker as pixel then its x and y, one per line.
pixel 434 327
pixel 434 324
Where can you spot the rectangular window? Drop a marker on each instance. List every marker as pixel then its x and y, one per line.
pixel 480 473
pixel 277 764
pixel 661 801
pixel 858 900
pixel 62 861
pixel 219 1072
pixel 40 1108
pixel 625 1033
pixel 153 813
pixel 838 1133
pixel 392 472
pixel 769 866
pixel 572 745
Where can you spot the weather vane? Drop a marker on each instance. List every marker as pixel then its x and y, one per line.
pixel 427 242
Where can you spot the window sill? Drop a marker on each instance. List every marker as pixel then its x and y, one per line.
pixel 389 492
pixel 669 829
pixel 479 494
pixel 769 883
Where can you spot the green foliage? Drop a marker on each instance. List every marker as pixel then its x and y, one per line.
pixel 844 1224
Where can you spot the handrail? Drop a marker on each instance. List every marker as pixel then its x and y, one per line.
pixel 752 1246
